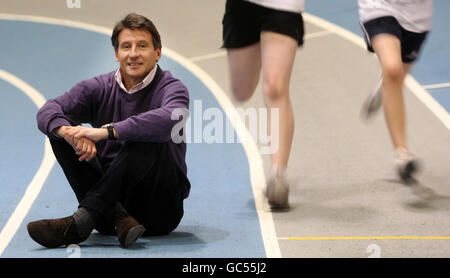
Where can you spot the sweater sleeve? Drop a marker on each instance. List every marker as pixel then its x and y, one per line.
pixel 74 106
pixel 156 125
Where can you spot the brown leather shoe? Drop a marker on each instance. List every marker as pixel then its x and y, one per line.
pixel 52 233
pixel 128 229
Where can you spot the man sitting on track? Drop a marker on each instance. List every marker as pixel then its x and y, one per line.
pixel 127 173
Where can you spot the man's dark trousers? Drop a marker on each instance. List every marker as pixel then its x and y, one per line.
pixel 143 177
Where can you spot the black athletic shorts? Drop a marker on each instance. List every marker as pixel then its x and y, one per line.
pixel 243 22
pixel 411 42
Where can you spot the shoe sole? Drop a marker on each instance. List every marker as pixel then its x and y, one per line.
pixel 133 235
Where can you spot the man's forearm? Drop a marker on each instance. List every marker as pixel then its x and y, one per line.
pixel 94 134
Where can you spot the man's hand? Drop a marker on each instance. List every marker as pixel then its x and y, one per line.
pixel 94 134
pixel 83 146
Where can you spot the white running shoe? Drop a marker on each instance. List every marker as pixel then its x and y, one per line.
pixel 277 191
pixel 373 102
pixel 406 163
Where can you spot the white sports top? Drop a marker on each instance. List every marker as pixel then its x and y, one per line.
pixel 413 15
pixel 296 6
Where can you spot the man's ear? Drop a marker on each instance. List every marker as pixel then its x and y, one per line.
pixel 117 55
pixel 158 53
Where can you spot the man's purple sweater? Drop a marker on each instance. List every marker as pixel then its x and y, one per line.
pixel 144 116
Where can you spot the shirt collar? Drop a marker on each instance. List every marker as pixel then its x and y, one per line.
pixel 141 85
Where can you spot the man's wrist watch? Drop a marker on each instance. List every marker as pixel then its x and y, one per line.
pixel 110 128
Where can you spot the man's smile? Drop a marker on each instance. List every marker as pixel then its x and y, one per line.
pixel 134 64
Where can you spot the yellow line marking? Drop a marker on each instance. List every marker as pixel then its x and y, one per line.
pixel 364 237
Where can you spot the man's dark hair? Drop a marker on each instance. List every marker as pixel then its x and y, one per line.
pixel 135 22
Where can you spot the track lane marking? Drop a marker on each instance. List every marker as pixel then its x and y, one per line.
pixel 35 186
pixel 436 86
pixel 364 237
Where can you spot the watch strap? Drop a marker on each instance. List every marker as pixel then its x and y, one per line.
pixel 110 129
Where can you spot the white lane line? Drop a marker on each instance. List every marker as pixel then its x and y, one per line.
pixel 257 176
pixel 35 186
pixel 429 101
pixel 223 53
pixel 410 82
pixel 57 21
pixel 436 86
pixel 214 55
pixel 317 34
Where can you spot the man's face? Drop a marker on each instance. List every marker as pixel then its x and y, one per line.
pixel 136 55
